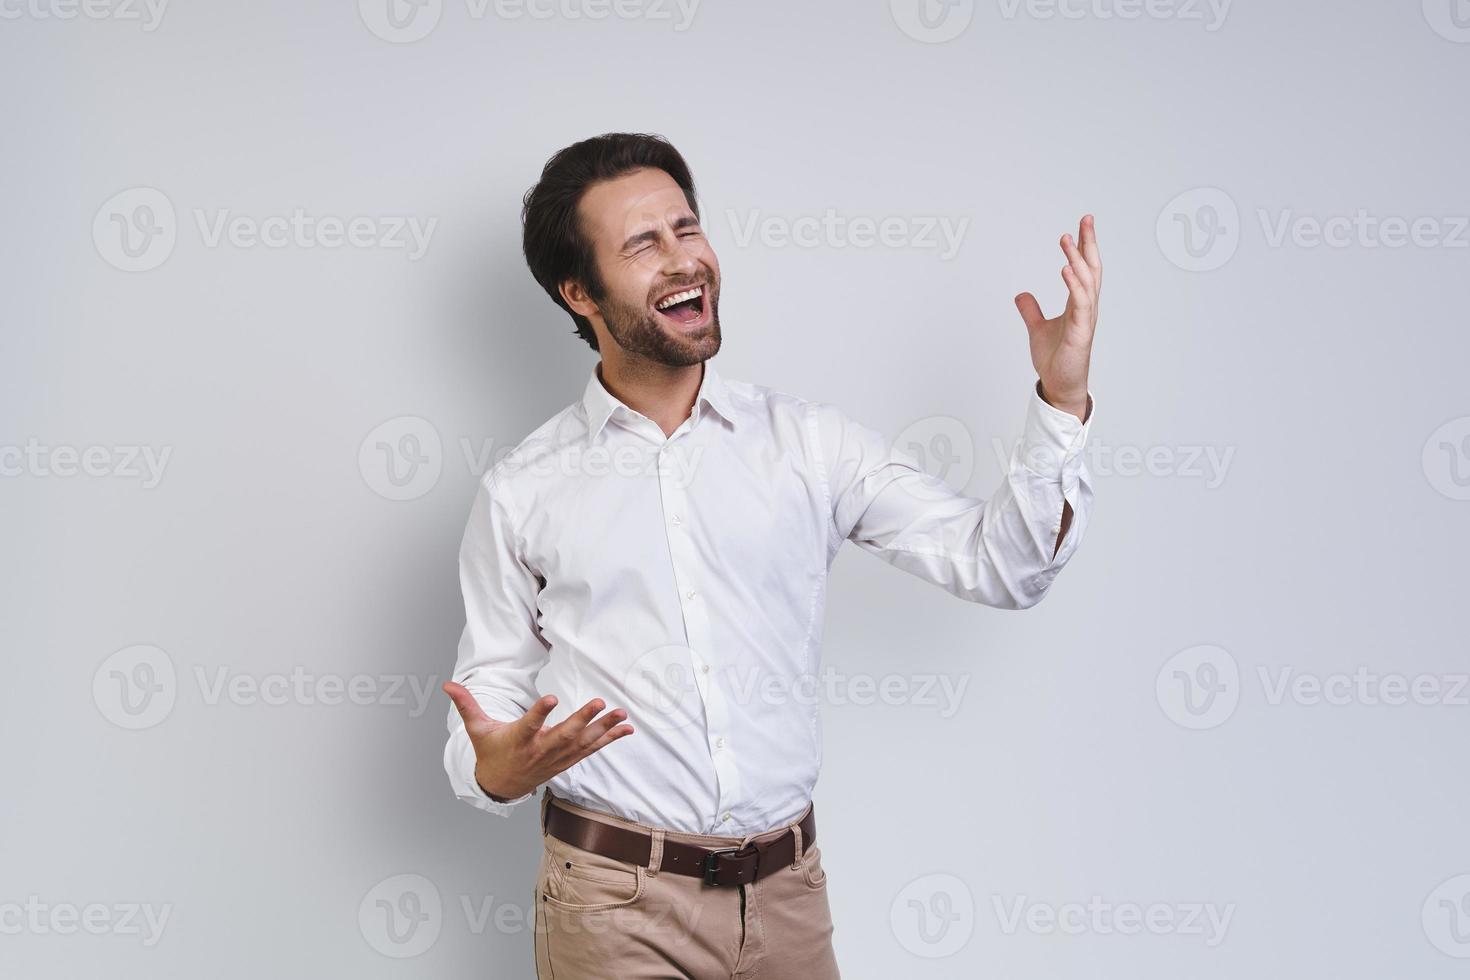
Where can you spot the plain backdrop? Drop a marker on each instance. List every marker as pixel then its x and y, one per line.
pixel 1229 743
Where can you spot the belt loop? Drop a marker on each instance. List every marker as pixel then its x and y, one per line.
pixel 656 852
pixel 796 833
pixel 545 801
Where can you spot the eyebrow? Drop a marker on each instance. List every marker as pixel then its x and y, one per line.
pixel 652 234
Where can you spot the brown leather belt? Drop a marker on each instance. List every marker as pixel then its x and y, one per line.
pixel 717 866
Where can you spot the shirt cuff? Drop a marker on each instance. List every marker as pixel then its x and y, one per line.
pixel 460 760
pixel 1052 440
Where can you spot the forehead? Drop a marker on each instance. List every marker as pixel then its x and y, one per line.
pixel 613 209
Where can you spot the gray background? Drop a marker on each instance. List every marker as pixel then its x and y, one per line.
pixel 1079 767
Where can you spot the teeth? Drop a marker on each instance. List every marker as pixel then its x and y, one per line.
pixel 694 293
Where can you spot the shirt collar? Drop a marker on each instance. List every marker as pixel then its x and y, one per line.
pixel 599 403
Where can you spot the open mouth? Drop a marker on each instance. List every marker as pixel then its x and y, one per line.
pixel 687 307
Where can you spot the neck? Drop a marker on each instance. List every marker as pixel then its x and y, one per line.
pixel 660 391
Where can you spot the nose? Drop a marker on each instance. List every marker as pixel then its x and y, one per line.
pixel 678 259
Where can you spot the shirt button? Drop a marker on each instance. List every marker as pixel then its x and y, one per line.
pixel 705 668
pixel 725 815
pixel 720 742
pixel 691 594
pixel 676 519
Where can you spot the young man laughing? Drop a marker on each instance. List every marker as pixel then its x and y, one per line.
pixel 685 582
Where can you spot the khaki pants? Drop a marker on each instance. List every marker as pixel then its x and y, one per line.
pixel 601 919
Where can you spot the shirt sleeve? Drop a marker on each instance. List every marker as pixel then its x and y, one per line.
pixel 501 649
pixel 997 552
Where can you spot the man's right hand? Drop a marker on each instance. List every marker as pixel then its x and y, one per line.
pixel 512 758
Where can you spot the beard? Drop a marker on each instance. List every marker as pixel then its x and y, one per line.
pixel 639 330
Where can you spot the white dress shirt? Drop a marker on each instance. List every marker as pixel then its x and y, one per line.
pixel 684 579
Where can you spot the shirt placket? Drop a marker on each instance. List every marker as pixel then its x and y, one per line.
pixel 692 579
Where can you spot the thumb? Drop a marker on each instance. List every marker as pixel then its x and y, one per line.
pixel 1030 311
pixel 469 708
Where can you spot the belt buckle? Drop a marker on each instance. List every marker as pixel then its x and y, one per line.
pixel 711 861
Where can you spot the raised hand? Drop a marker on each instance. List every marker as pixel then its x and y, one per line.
pixel 1061 348
pixel 512 758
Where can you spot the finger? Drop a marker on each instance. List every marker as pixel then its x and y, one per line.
pixel 1030 311
pixel 600 727
pixel 606 739
pixel 530 723
pixel 1079 297
pixel 1079 264
pixel 570 728
pixel 1087 237
pixel 1088 244
pixel 469 708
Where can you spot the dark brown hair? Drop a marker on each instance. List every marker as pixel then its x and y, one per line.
pixel 556 248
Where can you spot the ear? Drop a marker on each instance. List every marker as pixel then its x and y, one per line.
pixel 576 297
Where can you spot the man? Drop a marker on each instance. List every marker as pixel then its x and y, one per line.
pixel 663 544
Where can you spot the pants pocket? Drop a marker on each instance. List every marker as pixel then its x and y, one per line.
pixel 578 880
pixel 811 867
